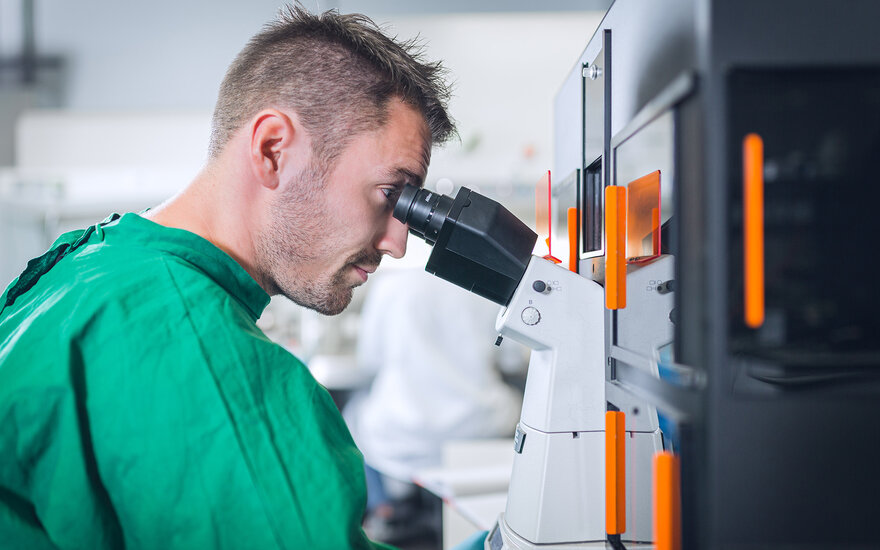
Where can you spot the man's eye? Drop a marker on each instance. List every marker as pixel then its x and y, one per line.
pixel 391 193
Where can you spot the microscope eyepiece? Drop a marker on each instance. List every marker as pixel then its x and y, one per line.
pixel 424 211
pixel 478 244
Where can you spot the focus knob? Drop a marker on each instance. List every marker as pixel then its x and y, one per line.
pixel 531 316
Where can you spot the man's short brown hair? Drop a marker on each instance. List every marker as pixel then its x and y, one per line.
pixel 337 72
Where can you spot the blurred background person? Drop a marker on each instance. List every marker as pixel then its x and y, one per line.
pixel 439 377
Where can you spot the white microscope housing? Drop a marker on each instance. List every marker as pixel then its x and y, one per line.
pixel 557 487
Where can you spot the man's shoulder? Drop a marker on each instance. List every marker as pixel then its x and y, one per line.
pixel 124 304
pixel 118 270
pixel 135 286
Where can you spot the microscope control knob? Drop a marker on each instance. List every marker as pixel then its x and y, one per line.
pixel 531 316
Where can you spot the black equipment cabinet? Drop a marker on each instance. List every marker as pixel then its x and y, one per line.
pixel 779 443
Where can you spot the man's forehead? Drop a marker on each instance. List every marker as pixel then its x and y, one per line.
pixel 426 157
pixel 398 107
pixel 415 172
pixel 423 169
pixel 402 145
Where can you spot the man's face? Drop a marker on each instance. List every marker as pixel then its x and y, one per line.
pixel 327 232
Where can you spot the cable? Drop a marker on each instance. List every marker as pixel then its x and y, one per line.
pixel 615 542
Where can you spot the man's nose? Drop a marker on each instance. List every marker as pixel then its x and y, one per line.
pixel 393 239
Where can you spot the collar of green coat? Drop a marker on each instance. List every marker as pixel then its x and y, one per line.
pixel 196 250
pixel 37 267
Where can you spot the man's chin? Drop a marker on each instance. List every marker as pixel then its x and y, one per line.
pixel 334 308
pixel 325 305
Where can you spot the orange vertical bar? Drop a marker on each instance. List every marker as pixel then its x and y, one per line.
pixel 573 239
pixel 549 214
pixel 615 247
pixel 542 208
pixel 753 229
pixel 615 473
pixel 655 230
pixel 667 502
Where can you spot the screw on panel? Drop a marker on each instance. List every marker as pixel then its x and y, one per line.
pixel 591 71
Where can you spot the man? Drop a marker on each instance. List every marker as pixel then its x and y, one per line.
pixel 140 407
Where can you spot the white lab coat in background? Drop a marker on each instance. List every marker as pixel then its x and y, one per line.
pixel 431 345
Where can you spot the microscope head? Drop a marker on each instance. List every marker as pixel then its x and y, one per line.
pixel 478 244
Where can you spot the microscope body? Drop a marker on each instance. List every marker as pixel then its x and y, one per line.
pixel 557 486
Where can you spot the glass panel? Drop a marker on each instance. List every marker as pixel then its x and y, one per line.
pixel 649 150
pixel 641 161
pixel 594 108
pixel 643 218
pixel 592 191
pixel 591 211
pixel 564 199
pixel 542 215
pixel 821 144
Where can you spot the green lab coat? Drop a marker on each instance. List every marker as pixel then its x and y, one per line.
pixel 141 407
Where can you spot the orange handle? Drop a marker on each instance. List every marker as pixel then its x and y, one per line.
pixel 667 502
pixel 615 473
pixel 542 209
pixel 753 227
pixel 655 230
pixel 615 246
pixel 573 239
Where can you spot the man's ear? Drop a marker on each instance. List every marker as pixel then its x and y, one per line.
pixel 272 137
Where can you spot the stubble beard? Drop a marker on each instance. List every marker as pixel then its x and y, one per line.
pixel 298 234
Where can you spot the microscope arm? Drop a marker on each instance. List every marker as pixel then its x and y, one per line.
pixel 557 485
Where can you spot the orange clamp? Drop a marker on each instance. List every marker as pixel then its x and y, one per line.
pixel 615 473
pixel 667 502
pixel 615 246
pixel 753 229
pixel 573 239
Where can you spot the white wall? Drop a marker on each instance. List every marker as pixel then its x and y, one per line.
pixel 162 54
pixel 170 56
pixel 507 69
pixel 141 80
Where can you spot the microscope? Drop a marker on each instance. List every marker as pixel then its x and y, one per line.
pixel 556 496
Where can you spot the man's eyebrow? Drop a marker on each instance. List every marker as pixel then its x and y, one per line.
pixel 408 176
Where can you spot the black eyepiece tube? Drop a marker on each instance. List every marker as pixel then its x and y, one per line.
pixel 423 210
pixel 478 244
